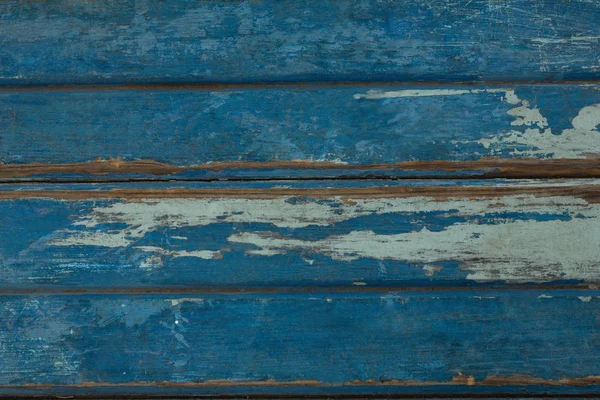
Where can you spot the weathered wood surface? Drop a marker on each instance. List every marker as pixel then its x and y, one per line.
pixel 115 279
pixel 173 41
pixel 285 233
pixel 344 342
pixel 312 131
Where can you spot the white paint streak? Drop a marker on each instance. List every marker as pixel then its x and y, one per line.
pixel 380 94
pixel 507 249
pixel 204 254
pixel 585 299
pixel 544 296
pixel 148 215
pixel 513 250
pixel 572 39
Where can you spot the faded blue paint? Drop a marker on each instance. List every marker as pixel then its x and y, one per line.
pixel 186 128
pixel 424 337
pixel 301 318
pixel 299 40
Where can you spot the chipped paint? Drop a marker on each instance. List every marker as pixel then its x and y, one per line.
pixel 468 131
pixel 537 139
pixel 487 252
pixel 176 302
pixel 496 250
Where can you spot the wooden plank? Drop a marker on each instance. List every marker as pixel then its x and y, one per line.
pixel 522 131
pixel 261 41
pixel 323 233
pixel 278 343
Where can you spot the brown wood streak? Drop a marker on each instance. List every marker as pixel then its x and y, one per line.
pixel 486 167
pixel 587 192
pixel 460 380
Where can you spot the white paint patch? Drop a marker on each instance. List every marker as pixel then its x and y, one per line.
pixel 544 296
pixel 430 270
pixel 511 250
pixel 176 302
pixel 526 116
pixel 585 299
pixel 537 139
pixel 380 94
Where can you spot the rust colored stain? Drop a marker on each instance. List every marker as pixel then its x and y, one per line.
pixel 588 192
pixel 459 380
pixel 485 167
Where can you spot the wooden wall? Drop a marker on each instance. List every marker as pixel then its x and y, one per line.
pixel 300 198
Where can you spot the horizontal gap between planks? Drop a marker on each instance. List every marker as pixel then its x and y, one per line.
pixel 457 396
pixel 526 168
pixel 289 84
pixel 433 396
pixel 367 178
pixel 481 287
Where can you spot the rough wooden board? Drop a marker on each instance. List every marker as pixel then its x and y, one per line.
pixel 487 339
pixel 522 131
pixel 299 233
pixel 173 41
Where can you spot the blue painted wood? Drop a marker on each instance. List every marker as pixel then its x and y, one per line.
pixel 418 287
pixel 268 40
pixel 286 233
pixel 301 132
pixel 339 342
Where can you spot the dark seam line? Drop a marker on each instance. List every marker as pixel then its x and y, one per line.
pixel 291 84
pixel 51 181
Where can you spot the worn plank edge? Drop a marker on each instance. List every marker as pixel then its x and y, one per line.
pixel 588 192
pixel 460 379
pixel 483 168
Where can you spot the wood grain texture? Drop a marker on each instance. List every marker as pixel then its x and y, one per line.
pixel 398 131
pixel 299 233
pixel 95 42
pixel 402 342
